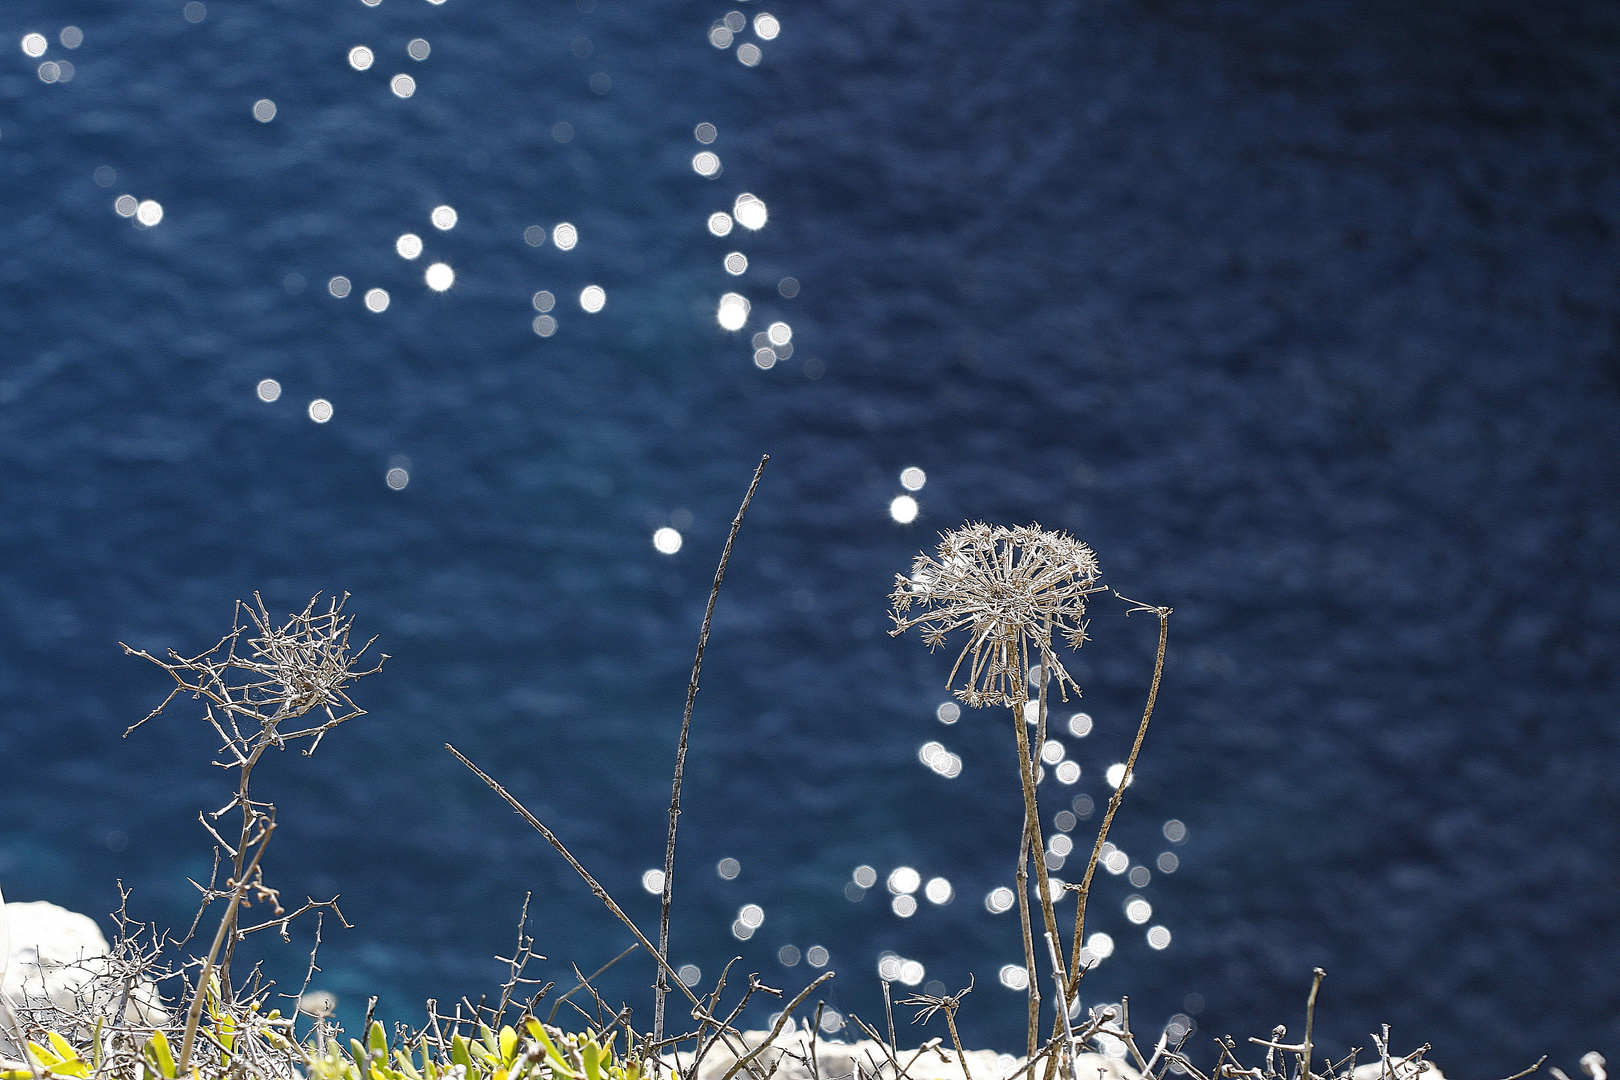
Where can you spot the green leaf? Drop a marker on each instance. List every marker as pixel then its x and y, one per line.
pixel 458 1052
pixel 362 1060
pixel 161 1056
pixel 509 1042
pixel 592 1054
pixel 378 1039
pixel 558 1064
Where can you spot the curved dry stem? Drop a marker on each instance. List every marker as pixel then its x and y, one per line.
pixel 1084 892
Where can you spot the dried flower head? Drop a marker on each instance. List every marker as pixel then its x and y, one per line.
pixel 1011 588
pixel 304 665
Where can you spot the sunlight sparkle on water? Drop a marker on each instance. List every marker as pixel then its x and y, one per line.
pixel 733 313
pixel 690 974
pixel 749 54
pixel 1014 977
pixel 1116 773
pixel 544 301
pixel 999 899
pixel 1052 752
pixel 939 891
pixel 339 286
pixel 728 868
pixel 720 36
pixel 534 235
pixel 668 541
pixel 903 880
pixel 653 881
pixel 320 410
pixel 903 509
pixel 766 27
pixel 409 246
pixel 1139 876
pixel 593 298
pixel 149 212
pixel 1168 863
pixel 780 333
pixel 904 906
pixel 1175 831
pixel 736 263
pixel 195 12
pixel 34 45
pixel 750 211
pixel 268 390
pixel 764 359
pixel 126 205
pixel 396 478
pixel 720 223
pixel 545 325
pixel 361 58
pixel 706 163
pixel 913 478
pixel 1080 725
pixel 1158 937
pixel 1138 910
pixel 444 218
pixel 1067 772
pixel 71 37
pixel 788 956
pixel 402 85
pixel 377 300
pixel 264 110
pixel 439 276
pixel 705 133
pixel 565 236
pixel 949 712
pixel 418 49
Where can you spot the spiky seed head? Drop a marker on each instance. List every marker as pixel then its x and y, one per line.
pixel 1011 589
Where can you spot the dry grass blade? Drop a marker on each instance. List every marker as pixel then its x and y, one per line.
pixel 660 989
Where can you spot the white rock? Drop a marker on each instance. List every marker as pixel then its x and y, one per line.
pixel 788 1057
pixel 1403 1070
pixel 56 971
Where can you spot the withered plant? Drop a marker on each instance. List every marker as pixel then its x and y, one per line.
pixel 1011 589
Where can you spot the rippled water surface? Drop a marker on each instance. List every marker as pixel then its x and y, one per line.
pixel 1302 315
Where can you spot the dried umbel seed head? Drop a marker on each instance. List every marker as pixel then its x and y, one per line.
pixel 1010 588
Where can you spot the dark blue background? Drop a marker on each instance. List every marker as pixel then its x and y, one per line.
pixel 1302 314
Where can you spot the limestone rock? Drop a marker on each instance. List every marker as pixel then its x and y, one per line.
pixel 57 972
pixel 788 1059
pixel 1403 1069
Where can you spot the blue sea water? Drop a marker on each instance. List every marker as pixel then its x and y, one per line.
pixel 1303 315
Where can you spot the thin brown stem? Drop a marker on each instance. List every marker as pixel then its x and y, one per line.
pixel 660 987
pixel 1084 892
pixel 226 925
pixel 1037 847
pixel 1033 991
pixel 1310 1021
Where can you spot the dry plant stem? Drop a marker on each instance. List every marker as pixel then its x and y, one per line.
pixel 226 928
pixel 777 1029
pixel 601 893
pixel 551 838
pixel 660 988
pixel 1310 1021
pixel 1033 990
pixel 956 1040
pixel 1084 892
pixel 582 983
pixel 1062 1009
pixel 1037 846
pixel 888 1011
